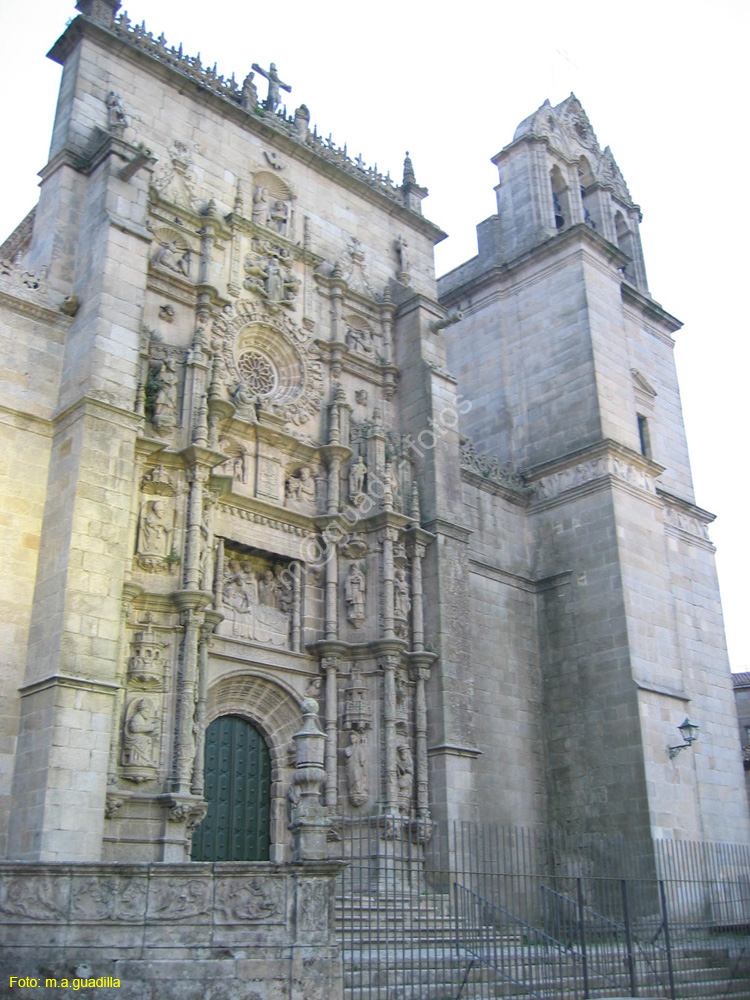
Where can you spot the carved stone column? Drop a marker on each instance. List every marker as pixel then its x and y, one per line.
pixel 417 609
pixel 421 675
pixel 296 636
pixel 192 621
pixel 389 536
pixel 197 477
pixel 338 345
pixel 332 594
pixel 219 577
pixel 211 620
pixel 330 666
pixel 390 665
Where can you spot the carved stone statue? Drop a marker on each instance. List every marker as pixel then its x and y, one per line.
pixel 139 734
pixel 164 413
pixel 260 206
pixel 153 535
pixel 401 599
pixel 268 590
pixel 402 252
pixel 279 217
pixel 354 592
pixel 117 120
pixel 274 282
pixel 239 586
pixel 357 475
pixel 405 768
pixel 274 85
pixel 356 768
pixel 246 402
pixel 249 93
pixel 300 488
pixel 169 254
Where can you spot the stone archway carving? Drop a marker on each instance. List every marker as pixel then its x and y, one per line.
pixel 275 712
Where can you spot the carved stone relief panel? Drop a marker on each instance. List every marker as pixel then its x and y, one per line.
pixel 301 490
pixel 238 464
pixel 355 594
pixel 172 252
pixel 362 338
pixel 155 536
pixel 257 597
pixel 269 272
pixel 141 728
pixel 147 666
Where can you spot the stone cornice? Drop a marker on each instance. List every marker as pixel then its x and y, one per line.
pixel 442 526
pixel 106 411
pixel 454 750
pixel 683 518
pixel 69 681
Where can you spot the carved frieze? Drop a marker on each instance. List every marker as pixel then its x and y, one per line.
pixel 680 519
pixel 108 898
pixel 41 899
pixel 257 598
pixel 246 900
pixel 585 472
pixel 174 899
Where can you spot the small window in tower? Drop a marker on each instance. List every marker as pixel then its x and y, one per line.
pixel 559 198
pixel 644 436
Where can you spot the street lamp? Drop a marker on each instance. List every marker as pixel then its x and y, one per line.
pixel 689 733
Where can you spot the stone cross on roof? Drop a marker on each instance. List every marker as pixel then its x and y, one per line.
pixel 274 85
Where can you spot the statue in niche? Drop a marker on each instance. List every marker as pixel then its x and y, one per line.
pixel 139 734
pixel 274 86
pixel 117 120
pixel 357 475
pixel 402 252
pixel 401 600
pixel 239 587
pixel 300 488
pixel 268 589
pixel 356 768
pixel 405 769
pixel 260 206
pixel 164 411
pixel 153 535
pixel 279 217
pixel 354 592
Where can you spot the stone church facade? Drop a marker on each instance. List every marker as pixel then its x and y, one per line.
pixel 256 454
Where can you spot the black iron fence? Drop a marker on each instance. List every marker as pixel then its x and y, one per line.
pixel 478 912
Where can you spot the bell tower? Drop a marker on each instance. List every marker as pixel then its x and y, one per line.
pixel 568 363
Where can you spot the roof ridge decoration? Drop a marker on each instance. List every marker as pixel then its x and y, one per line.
pixel 295 126
pixel 567 128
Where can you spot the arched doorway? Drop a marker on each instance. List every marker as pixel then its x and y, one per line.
pixel 238 791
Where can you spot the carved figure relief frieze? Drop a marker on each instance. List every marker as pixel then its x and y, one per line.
pixel 171 251
pixel 363 339
pixel 257 596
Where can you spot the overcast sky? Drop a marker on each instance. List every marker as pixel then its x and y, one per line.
pixel 665 84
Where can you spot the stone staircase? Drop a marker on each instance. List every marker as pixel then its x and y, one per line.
pixel 402 946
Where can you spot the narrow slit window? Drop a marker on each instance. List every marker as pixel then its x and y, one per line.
pixel 643 436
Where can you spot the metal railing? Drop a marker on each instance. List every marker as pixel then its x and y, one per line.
pixel 482 913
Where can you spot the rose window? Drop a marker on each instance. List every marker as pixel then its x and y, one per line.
pixel 258 373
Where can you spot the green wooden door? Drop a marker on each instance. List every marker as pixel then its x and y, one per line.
pixel 238 792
